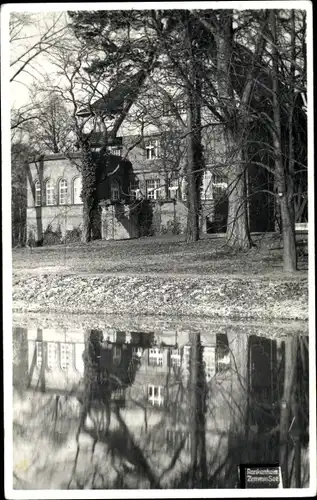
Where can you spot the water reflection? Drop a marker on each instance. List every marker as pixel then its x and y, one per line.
pixel 180 411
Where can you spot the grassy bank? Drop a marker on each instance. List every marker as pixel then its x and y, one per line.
pixel 161 276
pixel 160 255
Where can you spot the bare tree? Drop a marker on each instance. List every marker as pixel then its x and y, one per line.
pixel 19 155
pixel 51 130
pixel 284 184
pixel 31 36
pixel 92 108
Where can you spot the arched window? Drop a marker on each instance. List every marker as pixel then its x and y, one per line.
pixel 114 190
pixel 117 353
pixel 65 355
pixel 62 188
pixel 51 355
pixel 49 192
pixel 77 188
pixel 38 197
pixel 39 354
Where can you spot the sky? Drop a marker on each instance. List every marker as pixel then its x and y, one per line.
pixel 23 44
pixel 41 20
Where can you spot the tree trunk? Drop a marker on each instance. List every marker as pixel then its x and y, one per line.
pixel 192 191
pixel 194 148
pixel 291 158
pixel 282 181
pixel 96 222
pixel 198 471
pixel 236 118
pixel 237 223
pixel 289 377
pixel 238 234
pixel 89 184
pixel 238 345
pixel 193 408
pixel 86 232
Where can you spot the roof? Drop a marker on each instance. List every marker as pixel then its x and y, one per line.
pixel 72 156
pixel 54 156
pixel 113 101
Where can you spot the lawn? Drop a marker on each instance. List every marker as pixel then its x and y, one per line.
pixel 159 255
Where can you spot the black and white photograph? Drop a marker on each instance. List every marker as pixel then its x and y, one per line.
pixel 158 237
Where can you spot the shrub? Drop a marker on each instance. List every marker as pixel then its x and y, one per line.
pixel 172 227
pixel 51 237
pixel 145 218
pixel 175 227
pixel 31 239
pixel 73 235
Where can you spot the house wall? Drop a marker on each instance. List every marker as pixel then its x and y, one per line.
pixel 55 378
pixel 66 217
pixel 63 217
pixel 119 221
pixel 54 167
pixel 166 213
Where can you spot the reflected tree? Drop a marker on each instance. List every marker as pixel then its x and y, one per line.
pixel 212 419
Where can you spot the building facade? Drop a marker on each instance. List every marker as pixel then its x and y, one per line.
pixel 153 139
pixel 147 195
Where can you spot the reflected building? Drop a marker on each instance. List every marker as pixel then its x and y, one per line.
pixel 55 360
pixel 135 370
pixel 150 378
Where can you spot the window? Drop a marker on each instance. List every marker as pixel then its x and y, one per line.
pixel 77 189
pixel 220 179
pixel 115 150
pixel 118 394
pixel 176 357
pixel 116 355
pixel 156 395
pixel 171 108
pixel 39 354
pixel 51 355
pixel 66 355
pixel 152 149
pixel 223 358
pixel 114 191
pixel 207 185
pixel 175 437
pixel 155 357
pixel 173 187
pixel 63 192
pixel 38 194
pixel 186 359
pixel 135 189
pixel 209 360
pixel 153 189
pixel 137 352
pixel 219 185
pixel 49 192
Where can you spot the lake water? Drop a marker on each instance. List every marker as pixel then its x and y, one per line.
pixel 148 402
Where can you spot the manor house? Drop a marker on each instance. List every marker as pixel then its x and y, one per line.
pixel 146 194
pixel 142 189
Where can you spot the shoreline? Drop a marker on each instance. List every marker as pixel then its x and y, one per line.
pixel 204 297
pixel 159 325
